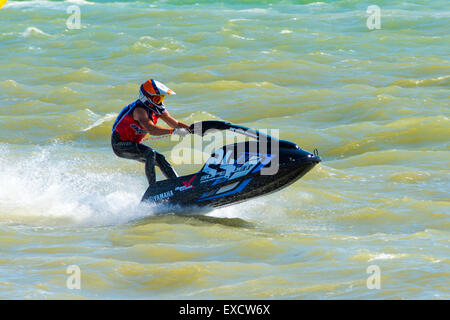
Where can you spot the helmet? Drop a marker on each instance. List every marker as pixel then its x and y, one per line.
pixel 152 93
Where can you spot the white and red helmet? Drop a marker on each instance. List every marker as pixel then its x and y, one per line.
pixel 152 93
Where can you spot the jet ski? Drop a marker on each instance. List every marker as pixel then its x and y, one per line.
pixel 236 172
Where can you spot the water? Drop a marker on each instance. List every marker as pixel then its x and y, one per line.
pixel 374 102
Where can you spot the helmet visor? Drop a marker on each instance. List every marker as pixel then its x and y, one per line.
pixel 159 100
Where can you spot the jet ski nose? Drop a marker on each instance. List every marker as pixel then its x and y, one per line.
pixel 314 158
pixel 301 157
pixel 309 159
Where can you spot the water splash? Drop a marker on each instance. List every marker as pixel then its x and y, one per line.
pixel 44 187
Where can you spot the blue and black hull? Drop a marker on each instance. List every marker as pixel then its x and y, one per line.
pixel 250 169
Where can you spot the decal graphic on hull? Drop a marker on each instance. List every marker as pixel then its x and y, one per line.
pixel 187 185
pixel 236 190
pixel 161 196
pixel 222 169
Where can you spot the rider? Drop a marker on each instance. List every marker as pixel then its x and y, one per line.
pixel 139 118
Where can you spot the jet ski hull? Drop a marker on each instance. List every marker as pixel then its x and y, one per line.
pixel 235 173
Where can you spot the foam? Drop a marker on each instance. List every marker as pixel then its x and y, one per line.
pixel 33 31
pixel 35 3
pixel 80 2
pixel 49 186
pixel 43 187
pixel 98 120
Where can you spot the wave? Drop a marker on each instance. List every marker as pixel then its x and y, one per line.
pixel 365 137
pixel 80 2
pixel 391 157
pixel 34 4
pixel 99 120
pixel 34 32
pixel 441 81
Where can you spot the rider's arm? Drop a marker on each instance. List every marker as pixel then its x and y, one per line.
pixel 171 121
pixel 140 114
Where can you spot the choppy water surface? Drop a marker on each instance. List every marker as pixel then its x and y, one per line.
pixel 374 102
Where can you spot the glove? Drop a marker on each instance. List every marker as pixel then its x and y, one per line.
pixel 180 132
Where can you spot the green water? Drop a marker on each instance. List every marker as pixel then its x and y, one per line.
pixel 374 102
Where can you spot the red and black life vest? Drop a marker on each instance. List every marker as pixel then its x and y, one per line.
pixel 130 129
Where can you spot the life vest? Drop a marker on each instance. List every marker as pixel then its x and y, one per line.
pixel 130 129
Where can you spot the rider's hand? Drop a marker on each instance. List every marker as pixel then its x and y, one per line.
pixel 180 132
